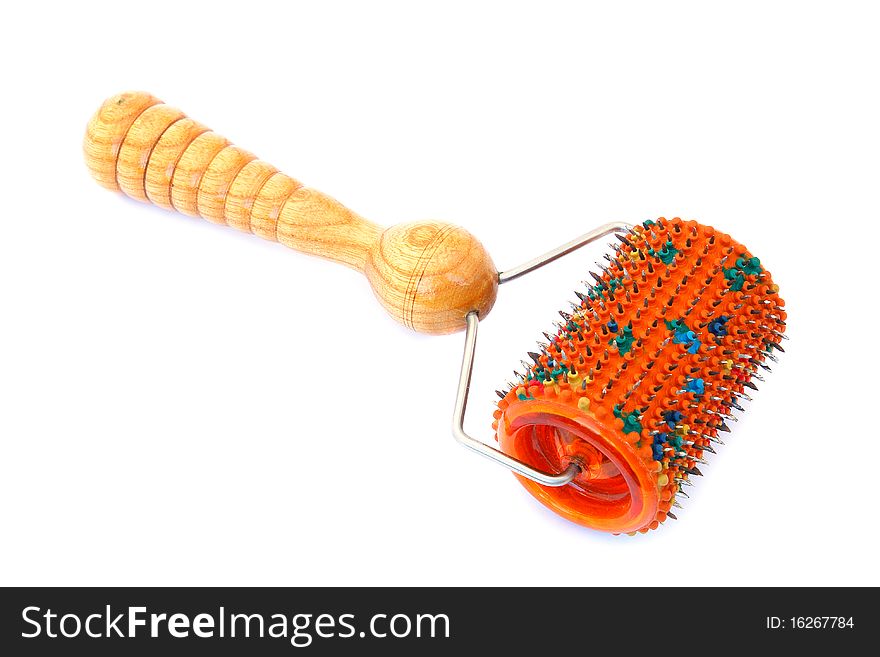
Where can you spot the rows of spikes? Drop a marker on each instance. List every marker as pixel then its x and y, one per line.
pixel 662 344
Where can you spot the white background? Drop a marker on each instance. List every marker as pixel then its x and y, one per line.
pixel 184 404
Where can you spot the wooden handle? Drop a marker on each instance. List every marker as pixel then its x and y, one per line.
pixel 428 275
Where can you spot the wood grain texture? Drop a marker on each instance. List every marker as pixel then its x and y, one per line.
pixel 242 192
pixel 164 158
pixel 191 168
pixel 107 129
pixel 428 275
pixel 268 203
pixel 215 183
pixel 138 144
pixel 310 220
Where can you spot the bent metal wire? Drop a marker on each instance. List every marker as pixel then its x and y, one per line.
pixel 467 364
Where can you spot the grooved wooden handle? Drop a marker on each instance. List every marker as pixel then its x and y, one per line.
pixel 153 152
pixel 428 275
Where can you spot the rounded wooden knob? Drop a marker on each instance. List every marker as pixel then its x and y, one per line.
pixel 430 275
